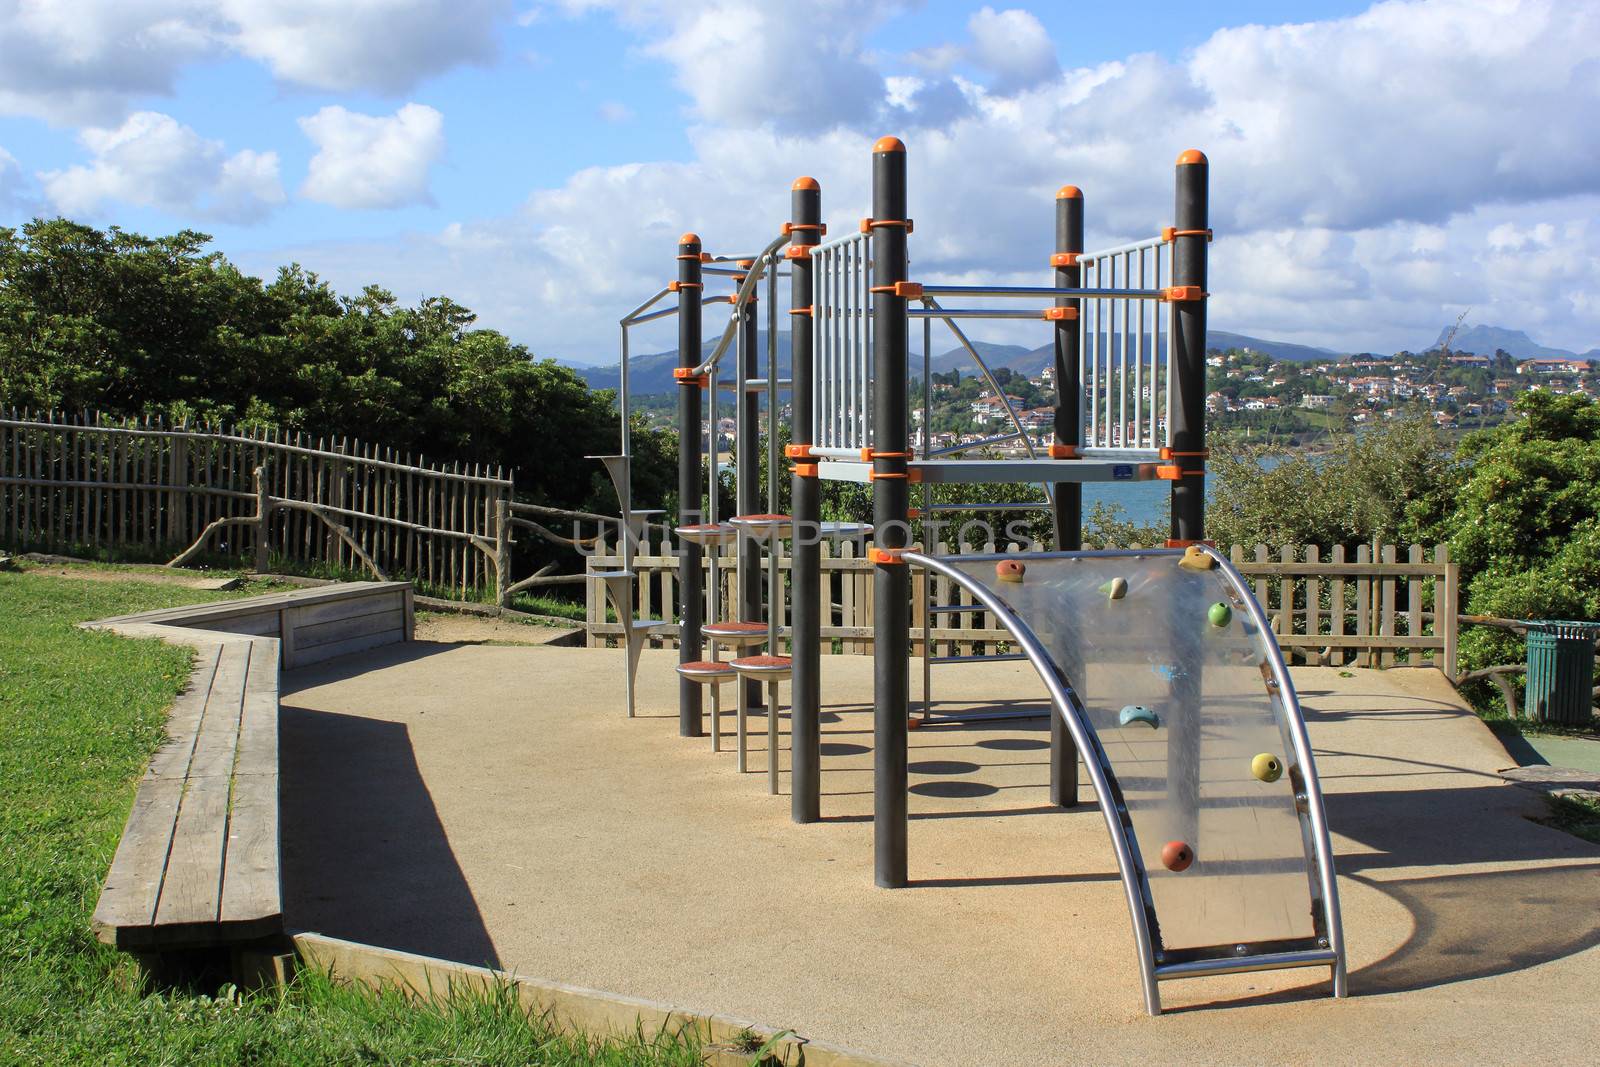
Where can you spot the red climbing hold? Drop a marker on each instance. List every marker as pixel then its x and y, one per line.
pixel 1176 856
pixel 1009 570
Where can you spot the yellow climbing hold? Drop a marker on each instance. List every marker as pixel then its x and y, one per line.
pixel 1195 558
pixel 1267 767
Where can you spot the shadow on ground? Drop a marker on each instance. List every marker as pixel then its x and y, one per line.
pixel 365 856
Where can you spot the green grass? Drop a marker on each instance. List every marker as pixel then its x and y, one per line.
pixel 79 715
pixel 1578 815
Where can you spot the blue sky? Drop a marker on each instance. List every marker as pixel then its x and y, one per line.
pixel 1376 170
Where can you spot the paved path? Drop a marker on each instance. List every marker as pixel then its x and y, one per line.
pixel 493 805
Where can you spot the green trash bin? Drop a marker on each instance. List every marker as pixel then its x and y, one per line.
pixel 1561 672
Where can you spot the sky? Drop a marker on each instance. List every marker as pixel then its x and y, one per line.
pixel 1376 169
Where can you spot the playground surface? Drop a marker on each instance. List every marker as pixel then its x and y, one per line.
pixel 493 805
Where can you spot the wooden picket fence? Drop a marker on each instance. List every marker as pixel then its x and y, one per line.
pixel 86 482
pixel 1363 608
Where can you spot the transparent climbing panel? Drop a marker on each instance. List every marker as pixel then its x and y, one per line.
pixel 1175 681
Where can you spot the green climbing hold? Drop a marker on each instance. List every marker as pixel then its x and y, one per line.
pixel 1220 614
pixel 1138 713
pixel 1115 589
pixel 1266 767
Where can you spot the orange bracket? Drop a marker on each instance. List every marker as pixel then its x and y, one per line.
pixel 1064 452
pixel 886 555
pixel 1061 314
pixel 1174 472
pixel 820 228
pixel 1065 259
pixel 798 252
pixel 687 376
pixel 673 287
pixel 907 290
pixel 745 263
pixel 1168 233
pixel 1173 542
pixel 868 224
pixel 869 455
pixel 800 311
pixel 1176 293
pixel 805 470
pixel 912 476
pixel 1167 453
pixel 797 451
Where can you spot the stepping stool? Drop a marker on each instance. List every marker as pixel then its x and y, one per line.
pixel 713 673
pixel 771 670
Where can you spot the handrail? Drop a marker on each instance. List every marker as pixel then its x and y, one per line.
pixel 758 267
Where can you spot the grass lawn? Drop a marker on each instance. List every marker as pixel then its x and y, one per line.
pixel 79 715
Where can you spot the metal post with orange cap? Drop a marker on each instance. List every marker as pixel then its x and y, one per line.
pixel 1186 412
pixel 805 598
pixel 1068 499
pixel 690 580
pixel 890 444
pixel 1186 406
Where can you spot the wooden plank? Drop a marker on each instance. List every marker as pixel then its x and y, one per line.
pixel 1313 599
pixel 171 760
pixel 263 623
pixel 1386 617
pixel 346 647
pixel 1444 610
pixel 191 891
pixel 1369 568
pixel 1263 587
pixel 1286 594
pixel 308 637
pixel 252 881
pixel 1336 621
pixel 133 885
pixel 1363 606
pixel 218 737
pixel 1414 599
pixel 367 602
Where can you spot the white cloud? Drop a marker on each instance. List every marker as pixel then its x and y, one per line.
pixel 1014 47
pixel 383 45
pixel 152 160
pixel 615 111
pixel 373 161
pixel 84 61
pixel 1371 176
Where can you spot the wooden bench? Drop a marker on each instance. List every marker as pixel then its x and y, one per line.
pixel 199 861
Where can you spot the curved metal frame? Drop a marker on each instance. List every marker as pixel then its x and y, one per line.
pixel 1108 793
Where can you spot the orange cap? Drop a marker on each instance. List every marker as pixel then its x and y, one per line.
pixel 689 239
pixel 1069 192
pixel 889 144
pixel 809 184
pixel 1192 155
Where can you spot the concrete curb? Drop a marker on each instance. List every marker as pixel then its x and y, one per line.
pixel 572 1008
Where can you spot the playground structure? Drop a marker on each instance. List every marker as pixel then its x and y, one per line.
pixel 1159 665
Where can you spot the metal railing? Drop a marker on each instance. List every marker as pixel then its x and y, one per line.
pixel 1126 346
pixel 842 313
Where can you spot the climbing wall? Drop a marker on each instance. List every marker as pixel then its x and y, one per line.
pixel 1175 681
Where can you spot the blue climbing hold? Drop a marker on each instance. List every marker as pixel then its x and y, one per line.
pixel 1138 713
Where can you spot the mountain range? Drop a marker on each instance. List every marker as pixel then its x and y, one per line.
pixel 1485 340
pixel 652 372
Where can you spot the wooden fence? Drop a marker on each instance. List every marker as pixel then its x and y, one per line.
pixel 1366 608
pixel 88 483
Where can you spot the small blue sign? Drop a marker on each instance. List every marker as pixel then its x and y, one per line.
pixel 1122 471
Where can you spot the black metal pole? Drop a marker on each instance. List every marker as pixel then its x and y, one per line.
pixel 1187 405
pixel 747 479
pixel 690 580
pixel 891 441
pixel 1069 440
pixel 805 590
